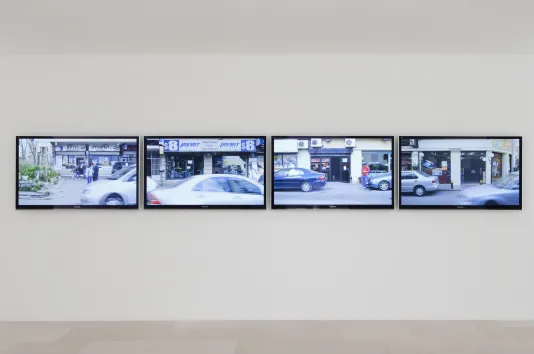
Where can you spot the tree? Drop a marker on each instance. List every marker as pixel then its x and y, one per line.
pixel 32 147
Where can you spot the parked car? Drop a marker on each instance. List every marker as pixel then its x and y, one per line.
pixel 418 182
pixel 119 189
pixel 382 182
pixel 505 192
pixel 116 167
pixel 298 178
pixel 217 189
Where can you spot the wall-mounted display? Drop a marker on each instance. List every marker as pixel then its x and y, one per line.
pixel 76 172
pixel 460 172
pixel 332 172
pixel 205 172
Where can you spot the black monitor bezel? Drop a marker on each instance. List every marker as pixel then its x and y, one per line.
pixel 335 206
pixel 203 207
pixel 461 207
pixel 48 207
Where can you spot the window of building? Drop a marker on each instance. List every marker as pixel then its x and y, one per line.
pixel 436 163
pixel 378 161
pixel 232 165
pixel 284 161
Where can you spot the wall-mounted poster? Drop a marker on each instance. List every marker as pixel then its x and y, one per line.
pixel 332 172
pixel 76 172
pixel 460 172
pixel 205 172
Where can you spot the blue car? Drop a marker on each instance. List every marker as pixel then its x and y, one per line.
pixel 298 178
pixel 382 182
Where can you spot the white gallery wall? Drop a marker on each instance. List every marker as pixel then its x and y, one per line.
pixel 283 264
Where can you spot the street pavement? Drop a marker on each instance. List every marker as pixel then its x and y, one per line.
pixel 66 192
pixel 439 197
pixel 334 193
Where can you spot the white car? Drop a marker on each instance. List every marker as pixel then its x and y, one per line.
pixel 119 189
pixel 216 189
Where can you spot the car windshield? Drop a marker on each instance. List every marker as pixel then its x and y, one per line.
pixel 424 173
pixel 507 183
pixel 121 172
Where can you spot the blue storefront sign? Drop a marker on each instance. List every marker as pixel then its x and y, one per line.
pixel 208 145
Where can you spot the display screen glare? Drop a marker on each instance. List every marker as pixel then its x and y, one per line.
pixel 77 172
pixel 205 172
pixel 332 171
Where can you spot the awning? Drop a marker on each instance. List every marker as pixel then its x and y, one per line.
pixel 70 153
pixel 103 153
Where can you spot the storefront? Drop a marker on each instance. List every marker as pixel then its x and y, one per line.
pixel 183 158
pixel 104 154
pixel 340 159
pixel 457 162
pixel 67 154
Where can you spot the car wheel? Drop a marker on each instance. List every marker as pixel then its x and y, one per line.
pixel 491 203
pixel 419 191
pixel 383 186
pixel 114 199
pixel 306 187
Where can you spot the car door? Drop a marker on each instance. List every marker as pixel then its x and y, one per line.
pixel 408 180
pixel 244 192
pixel 280 179
pixel 294 178
pixel 211 191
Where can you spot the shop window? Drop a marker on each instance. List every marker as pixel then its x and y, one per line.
pixel 232 165
pixel 243 187
pixel 436 163
pixel 284 161
pixel 378 161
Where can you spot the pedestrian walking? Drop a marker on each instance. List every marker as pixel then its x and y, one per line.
pixel 89 173
pixel 365 174
pixel 95 171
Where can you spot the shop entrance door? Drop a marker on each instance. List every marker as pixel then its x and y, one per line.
pixel 198 165
pixel 473 170
pixel 335 169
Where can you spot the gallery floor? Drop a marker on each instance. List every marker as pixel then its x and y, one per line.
pixel 268 337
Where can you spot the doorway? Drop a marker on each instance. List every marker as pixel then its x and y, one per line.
pixel 473 169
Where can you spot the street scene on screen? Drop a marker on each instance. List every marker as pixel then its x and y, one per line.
pixel 205 171
pixel 460 172
pixel 332 171
pixel 77 172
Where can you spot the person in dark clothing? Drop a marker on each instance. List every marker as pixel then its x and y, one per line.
pixel 95 171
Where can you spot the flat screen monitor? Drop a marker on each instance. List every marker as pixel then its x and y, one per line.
pixel 77 172
pixel 454 172
pixel 215 172
pixel 332 172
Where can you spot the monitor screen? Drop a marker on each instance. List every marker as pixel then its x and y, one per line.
pixel 77 172
pixel 460 172
pixel 332 172
pixel 205 172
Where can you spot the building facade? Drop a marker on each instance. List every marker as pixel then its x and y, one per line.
pixel 174 159
pixel 69 153
pixel 341 159
pixel 458 162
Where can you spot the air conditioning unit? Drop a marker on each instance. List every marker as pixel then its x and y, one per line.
pixel 316 143
pixel 350 143
pixel 303 144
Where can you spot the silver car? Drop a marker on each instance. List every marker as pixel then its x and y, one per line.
pixel 505 192
pixel 418 182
